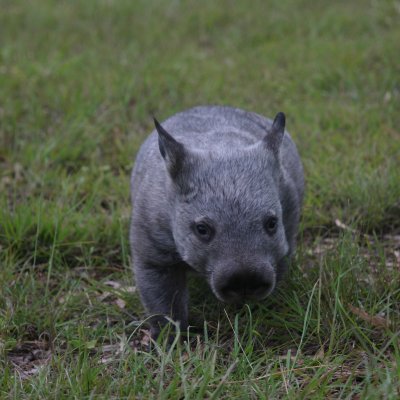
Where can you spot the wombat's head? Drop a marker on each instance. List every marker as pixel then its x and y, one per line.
pixel 227 217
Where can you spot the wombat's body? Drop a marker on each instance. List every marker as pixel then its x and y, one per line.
pixel 218 190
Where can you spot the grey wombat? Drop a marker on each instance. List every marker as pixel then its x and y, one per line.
pixel 217 190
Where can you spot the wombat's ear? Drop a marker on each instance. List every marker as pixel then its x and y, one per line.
pixel 171 150
pixel 273 139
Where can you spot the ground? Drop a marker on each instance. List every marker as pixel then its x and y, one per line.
pixel 79 84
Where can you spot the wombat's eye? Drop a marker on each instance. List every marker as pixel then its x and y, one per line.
pixel 271 224
pixel 203 231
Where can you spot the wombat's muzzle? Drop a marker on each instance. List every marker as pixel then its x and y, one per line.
pixel 243 285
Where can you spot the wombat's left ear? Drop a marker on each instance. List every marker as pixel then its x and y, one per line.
pixel 273 139
pixel 172 151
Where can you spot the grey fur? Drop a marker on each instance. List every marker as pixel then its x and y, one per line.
pixel 207 189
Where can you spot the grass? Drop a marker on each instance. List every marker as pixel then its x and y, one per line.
pixel 79 83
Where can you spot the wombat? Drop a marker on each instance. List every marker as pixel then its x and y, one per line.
pixel 217 190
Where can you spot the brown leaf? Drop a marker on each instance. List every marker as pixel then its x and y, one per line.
pixel 128 289
pixel 18 170
pixel 146 338
pixel 375 320
pixel 29 357
pixel 113 284
pixel 397 255
pixel 104 296
pixel 320 354
pixel 341 225
pixel 120 303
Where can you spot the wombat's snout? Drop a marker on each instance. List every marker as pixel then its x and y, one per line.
pixel 241 286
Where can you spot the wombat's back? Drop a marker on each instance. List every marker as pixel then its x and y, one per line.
pixel 217 127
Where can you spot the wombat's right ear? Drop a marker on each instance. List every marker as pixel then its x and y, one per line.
pixel 273 139
pixel 171 150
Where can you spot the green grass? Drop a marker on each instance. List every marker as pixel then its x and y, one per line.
pixel 79 83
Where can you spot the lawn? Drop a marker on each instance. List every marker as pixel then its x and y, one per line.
pixel 79 84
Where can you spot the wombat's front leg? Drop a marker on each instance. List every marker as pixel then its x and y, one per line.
pixel 164 293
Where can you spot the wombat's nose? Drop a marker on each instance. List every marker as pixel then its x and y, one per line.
pixel 244 285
